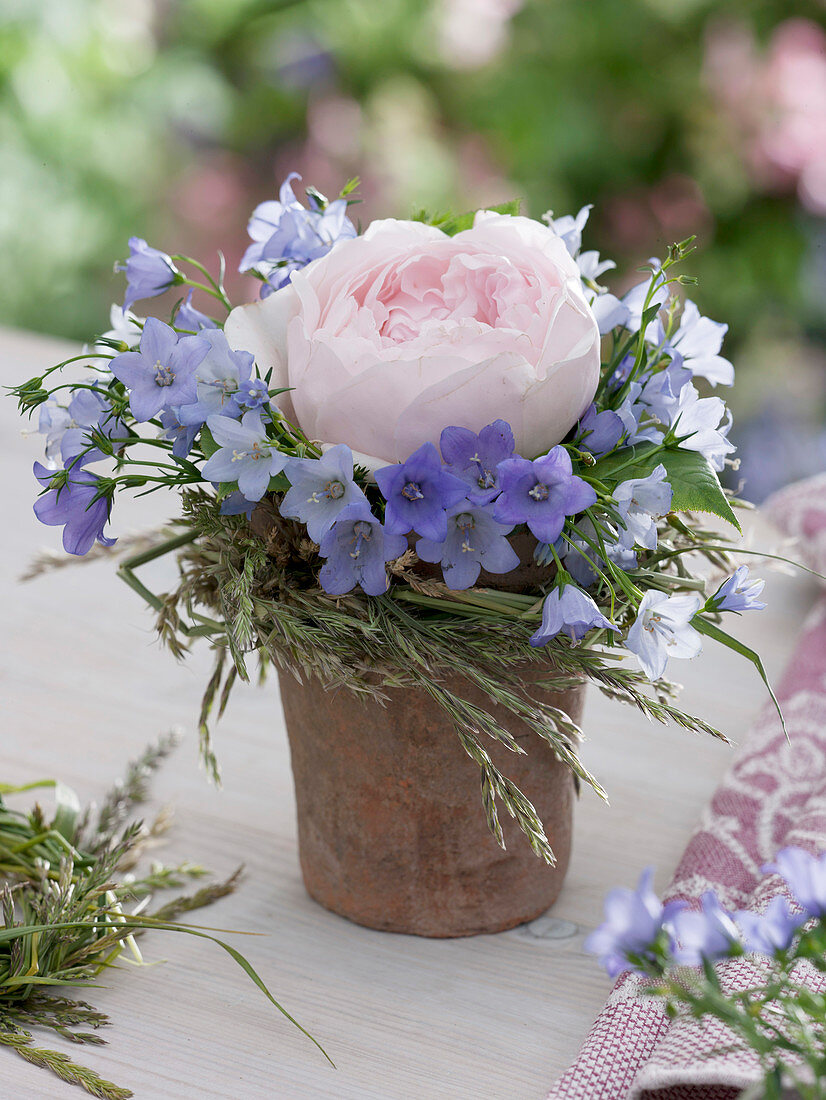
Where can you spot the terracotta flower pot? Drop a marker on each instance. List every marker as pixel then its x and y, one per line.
pixel 391 829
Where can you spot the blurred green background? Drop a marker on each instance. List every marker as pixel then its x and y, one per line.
pixel 171 119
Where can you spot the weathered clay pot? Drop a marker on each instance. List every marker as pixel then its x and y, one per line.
pixel 390 823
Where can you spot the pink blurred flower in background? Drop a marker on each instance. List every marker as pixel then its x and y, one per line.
pixel 793 140
pixel 776 102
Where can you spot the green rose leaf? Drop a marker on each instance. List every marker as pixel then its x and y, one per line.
pixel 208 444
pixel 693 480
pixel 455 223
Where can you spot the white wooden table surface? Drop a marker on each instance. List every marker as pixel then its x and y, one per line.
pixel 85 687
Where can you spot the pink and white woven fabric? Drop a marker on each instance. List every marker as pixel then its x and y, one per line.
pixel 773 796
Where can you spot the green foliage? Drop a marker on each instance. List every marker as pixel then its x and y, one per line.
pixel 694 482
pixel 63 892
pixel 769 1010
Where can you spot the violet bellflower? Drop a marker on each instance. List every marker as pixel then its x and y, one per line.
pixel 569 229
pixel 705 934
pixel 633 924
pixel 636 418
pixel 190 319
pixel 252 394
pixel 149 272
pixel 68 429
pixel 475 541
pixel 236 504
pixel 661 389
pixel 610 312
pixel 71 504
pixel 598 432
pixel 287 236
pixel 541 493
pixel 805 875
pixel 474 458
pixel 418 493
pixel 245 454
pixel 320 489
pixel 640 502
pixel 702 424
pixel 699 340
pixel 182 436
pixel 582 561
pixel 126 328
pixel 772 930
pixel 356 548
pixel 738 593
pixel 663 629
pixel 218 375
pixel 161 374
pixel 570 611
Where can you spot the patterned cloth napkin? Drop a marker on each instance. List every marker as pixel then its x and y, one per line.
pixel 773 796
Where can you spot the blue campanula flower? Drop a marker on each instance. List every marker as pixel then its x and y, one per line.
pixel 287 236
pixel 708 933
pixel 245 454
pixel 219 375
pixel 161 375
pixel 770 931
pixel 236 504
pixel 635 417
pixel 570 611
pixel 599 432
pixel 805 876
pixel 148 272
pixel 640 502
pixel 610 312
pixel 356 548
pixel 71 504
pixel 702 424
pixel 738 593
pixel 473 458
pixel 181 435
pixel 582 561
pixel 191 319
pixel 698 341
pixel 252 394
pixel 591 266
pixel 418 493
pixel 633 923
pixel 53 420
pixel 126 328
pixel 663 629
pixel 569 227
pixel 320 489
pixel 475 541
pixel 541 493
pixel 661 389
pixel 68 429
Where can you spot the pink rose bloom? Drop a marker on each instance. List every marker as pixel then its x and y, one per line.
pixel 394 335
